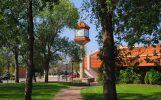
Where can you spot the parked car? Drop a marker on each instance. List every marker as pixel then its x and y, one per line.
pixel 72 75
pixel 5 76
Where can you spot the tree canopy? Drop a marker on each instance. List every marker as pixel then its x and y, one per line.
pixel 138 21
pixel 121 22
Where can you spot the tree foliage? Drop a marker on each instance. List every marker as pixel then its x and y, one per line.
pixel 12 28
pixel 132 21
pixel 51 23
pixel 138 21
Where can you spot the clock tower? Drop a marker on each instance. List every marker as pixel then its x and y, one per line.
pixel 82 37
pixel 82 33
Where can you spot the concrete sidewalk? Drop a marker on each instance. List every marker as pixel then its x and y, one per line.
pixel 72 93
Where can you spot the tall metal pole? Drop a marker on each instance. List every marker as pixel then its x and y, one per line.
pixel 82 62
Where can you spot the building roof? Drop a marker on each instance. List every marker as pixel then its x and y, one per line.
pixel 82 24
pixel 138 56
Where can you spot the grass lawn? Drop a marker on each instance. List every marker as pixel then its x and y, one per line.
pixel 41 91
pixel 125 92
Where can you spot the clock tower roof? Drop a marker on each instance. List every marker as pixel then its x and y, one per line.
pixel 82 24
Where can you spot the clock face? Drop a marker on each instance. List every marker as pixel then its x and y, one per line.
pixel 86 32
pixel 80 32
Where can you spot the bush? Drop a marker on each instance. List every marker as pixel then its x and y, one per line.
pixel 152 77
pixel 129 75
pixel 137 78
pixel 125 76
pixel 155 78
pixel 146 78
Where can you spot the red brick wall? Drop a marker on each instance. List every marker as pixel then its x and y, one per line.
pixel 137 56
pixel 22 72
pixel 94 60
pixel 143 53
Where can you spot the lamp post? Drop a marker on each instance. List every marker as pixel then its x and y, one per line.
pixel 82 37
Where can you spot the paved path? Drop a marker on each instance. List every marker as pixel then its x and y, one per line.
pixel 72 93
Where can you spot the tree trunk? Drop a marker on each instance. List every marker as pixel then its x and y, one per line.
pixel 28 89
pixel 8 70
pixel 34 76
pixel 16 65
pixel 109 88
pixel 46 71
pixel 46 75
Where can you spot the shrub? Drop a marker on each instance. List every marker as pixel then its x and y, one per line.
pixel 137 78
pixel 146 78
pixel 129 75
pixel 155 78
pixel 152 77
pixel 125 76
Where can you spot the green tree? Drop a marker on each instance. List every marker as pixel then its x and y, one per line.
pixel 138 21
pixel 30 9
pixel 53 22
pixel 103 10
pixel 6 60
pixel 13 13
pixel 12 28
pixel 132 21
pixel 30 31
pixel 74 52
pixel 48 53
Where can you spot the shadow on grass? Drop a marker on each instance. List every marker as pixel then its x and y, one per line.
pixel 137 96
pixel 46 91
pixel 11 92
pixel 124 96
pixel 92 96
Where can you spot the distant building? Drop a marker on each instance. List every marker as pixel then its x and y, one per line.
pixel 22 72
pixel 144 56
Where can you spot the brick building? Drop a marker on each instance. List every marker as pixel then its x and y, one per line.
pixel 143 56
pixel 22 72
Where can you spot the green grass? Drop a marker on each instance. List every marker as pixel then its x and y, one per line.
pixel 125 92
pixel 41 91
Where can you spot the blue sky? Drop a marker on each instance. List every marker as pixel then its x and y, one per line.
pixel 92 45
